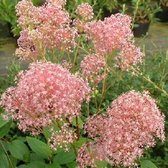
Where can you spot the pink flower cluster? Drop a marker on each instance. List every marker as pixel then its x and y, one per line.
pixel 28 14
pixel 93 67
pixel 89 154
pixel 131 124
pixel 115 34
pixel 46 27
pixel 44 93
pixel 62 138
pixel 85 11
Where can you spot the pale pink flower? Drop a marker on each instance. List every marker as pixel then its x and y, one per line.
pixel 28 14
pixel 130 55
pixel 27 46
pixel 89 154
pixel 79 24
pixel 114 34
pixel 132 124
pixel 93 67
pixel 53 15
pixel 84 157
pixel 46 28
pixel 85 11
pixel 95 125
pixel 44 93
pixel 62 138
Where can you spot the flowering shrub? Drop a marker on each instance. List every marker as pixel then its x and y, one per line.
pixel 61 97
pixel 130 125
pixel 85 11
pixel 44 93
pixel 92 68
pixel 43 28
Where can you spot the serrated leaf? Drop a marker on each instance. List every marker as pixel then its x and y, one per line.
pixel 64 157
pixel 147 164
pixel 19 150
pixel 39 147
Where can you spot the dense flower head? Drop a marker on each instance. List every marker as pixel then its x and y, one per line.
pixel 132 124
pixel 110 33
pixel 47 27
pixel 28 45
pixel 54 16
pixel 62 138
pixel 113 34
pixel 44 93
pixel 85 11
pixel 79 24
pixel 84 158
pixel 95 125
pixel 130 55
pixel 93 67
pixel 28 14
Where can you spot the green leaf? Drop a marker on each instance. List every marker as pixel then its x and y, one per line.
pixel 53 165
pixel 2 121
pixel 3 160
pixel 47 130
pixel 147 164
pixel 36 164
pixel 72 165
pixel 23 166
pixel 80 142
pixel 64 157
pixel 80 122
pixel 5 129
pixel 39 147
pixel 101 164
pixel 35 157
pixel 19 150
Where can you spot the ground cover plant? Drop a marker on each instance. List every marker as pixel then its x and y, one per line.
pixel 88 96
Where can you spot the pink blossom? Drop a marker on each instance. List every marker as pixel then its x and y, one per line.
pixel 62 138
pixel 28 48
pixel 114 34
pixel 93 67
pixel 95 125
pixel 44 93
pixel 84 157
pixel 46 28
pixel 85 11
pixel 130 55
pixel 28 14
pixel 89 154
pixel 131 124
